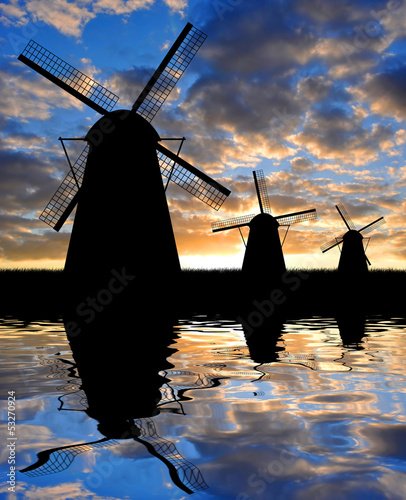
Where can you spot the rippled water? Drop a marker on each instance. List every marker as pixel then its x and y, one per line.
pixel 310 415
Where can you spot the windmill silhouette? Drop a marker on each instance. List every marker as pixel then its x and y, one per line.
pixel 141 378
pixel 122 219
pixel 353 259
pixel 263 259
pixel 184 474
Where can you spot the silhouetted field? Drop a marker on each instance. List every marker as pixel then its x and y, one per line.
pixel 40 294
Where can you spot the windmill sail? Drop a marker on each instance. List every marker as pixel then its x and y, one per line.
pixel 332 243
pixel 59 459
pixel 262 192
pixel 169 71
pixel 68 78
pixel 373 225
pixel 64 200
pixel 296 217
pixel 191 179
pixel 183 473
pixel 235 222
pixel 344 215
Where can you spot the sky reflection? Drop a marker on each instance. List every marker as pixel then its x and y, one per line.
pixel 322 421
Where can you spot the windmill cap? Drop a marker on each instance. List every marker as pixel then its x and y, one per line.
pixel 352 234
pixel 264 218
pixel 126 123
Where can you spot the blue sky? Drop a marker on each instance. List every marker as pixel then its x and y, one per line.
pixel 310 91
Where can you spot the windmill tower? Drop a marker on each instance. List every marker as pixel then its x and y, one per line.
pixel 122 221
pixel 353 260
pixel 263 259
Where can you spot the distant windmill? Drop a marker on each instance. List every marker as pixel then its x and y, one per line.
pixel 353 258
pixel 263 257
pixel 122 219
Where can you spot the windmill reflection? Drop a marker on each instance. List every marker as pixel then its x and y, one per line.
pixel 262 339
pixel 351 326
pixel 125 386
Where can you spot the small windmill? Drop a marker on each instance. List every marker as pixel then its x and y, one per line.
pixel 122 219
pixel 263 257
pixel 353 259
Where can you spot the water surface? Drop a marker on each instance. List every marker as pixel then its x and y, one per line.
pixel 307 413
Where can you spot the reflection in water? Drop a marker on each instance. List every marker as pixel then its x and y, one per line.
pixel 122 394
pixel 323 416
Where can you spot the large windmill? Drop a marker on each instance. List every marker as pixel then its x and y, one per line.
pixel 122 221
pixel 263 257
pixel 353 259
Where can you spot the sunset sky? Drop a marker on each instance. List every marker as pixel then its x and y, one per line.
pixel 313 92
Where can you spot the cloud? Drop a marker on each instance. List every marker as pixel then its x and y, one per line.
pixel 301 165
pixel 334 133
pixel 26 95
pixel 385 93
pixel 67 17
pixel 71 18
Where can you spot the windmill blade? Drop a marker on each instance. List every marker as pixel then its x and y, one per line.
pixel 59 459
pixel 191 179
pixel 332 243
pixel 62 203
pixel 370 227
pixel 344 215
pixel 232 223
pixel 296 217
pixel 184 474
pixel 169 71
pixel 262 192
pixel 365 250
pixel 68 78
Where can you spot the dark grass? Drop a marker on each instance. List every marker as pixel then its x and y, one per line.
pixel 41 294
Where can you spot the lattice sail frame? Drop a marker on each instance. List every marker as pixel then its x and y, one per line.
pixel 332 243
pixel 68 78
pixel 262 192
pixel 189 475
pixel 233 223
pixel 191 179
pixel 57 210
pixel 59 459
pixel 283 220
pixel 169 72
pixel 374 225
pixel 296 217
pixel 345 216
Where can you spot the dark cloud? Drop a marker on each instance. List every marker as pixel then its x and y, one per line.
pixel 385 93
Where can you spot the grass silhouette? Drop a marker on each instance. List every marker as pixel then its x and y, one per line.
pixel 40 294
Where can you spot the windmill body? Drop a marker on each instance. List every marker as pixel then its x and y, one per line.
pixel 263 255
pixel 353 260
pixel 122 219
pixel 264 263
